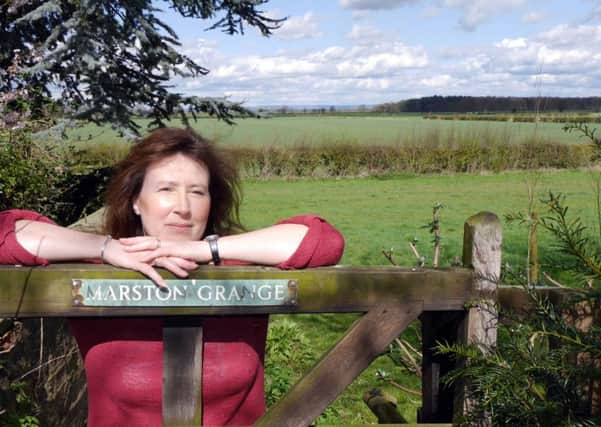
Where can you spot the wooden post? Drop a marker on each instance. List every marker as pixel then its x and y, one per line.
pixel 182 372
pixel 437 399
pixel 482 252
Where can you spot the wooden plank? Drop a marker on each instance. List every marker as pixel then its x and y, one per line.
pixel 367 338
pixel 47 291
pixel 182 372
pixel 515 299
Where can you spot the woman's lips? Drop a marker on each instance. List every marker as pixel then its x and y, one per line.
pixel 180 226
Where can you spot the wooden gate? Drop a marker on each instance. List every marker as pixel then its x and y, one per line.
pixel 453 304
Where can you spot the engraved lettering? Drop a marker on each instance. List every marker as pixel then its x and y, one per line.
pixel 123 292
pixel 137 294
pixel 279 292
pixel 94 294
pixel 207 296
pixel 246 291
pixel 219 293
pixel 177 291
pixel 234 294
pixel 162 295
pixel 264 296
pixel 110 294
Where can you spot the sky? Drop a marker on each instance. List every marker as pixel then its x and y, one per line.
pixel 366 52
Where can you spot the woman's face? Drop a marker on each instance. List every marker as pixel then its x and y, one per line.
pixel 174 201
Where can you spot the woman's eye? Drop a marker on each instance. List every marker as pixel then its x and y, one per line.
pixel 165 189
pixel 199 192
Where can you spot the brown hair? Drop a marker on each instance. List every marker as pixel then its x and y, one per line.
pixel 126 184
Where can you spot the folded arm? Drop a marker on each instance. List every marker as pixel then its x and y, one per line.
pixel 299 242
pixel 27 238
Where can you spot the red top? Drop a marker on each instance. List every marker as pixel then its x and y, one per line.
pixel 123 356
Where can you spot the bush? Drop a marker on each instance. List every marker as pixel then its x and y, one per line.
pixel 546 369
pixel 430 155
pixel 48 179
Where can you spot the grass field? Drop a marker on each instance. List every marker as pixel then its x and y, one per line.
pixel 315 130
pixel 379 213
pixel 375 214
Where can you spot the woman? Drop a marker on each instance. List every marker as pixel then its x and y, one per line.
pixel 173 203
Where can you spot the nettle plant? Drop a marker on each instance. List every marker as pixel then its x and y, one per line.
pixel 546 369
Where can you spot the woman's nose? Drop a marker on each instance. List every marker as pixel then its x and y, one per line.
pixel 182 205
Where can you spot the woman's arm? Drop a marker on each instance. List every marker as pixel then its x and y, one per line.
pixel 304 241
pixel 30 239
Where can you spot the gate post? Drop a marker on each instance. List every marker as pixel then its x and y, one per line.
pixel 476 325
pixel 482 241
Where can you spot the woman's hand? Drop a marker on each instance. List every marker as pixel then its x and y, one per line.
pixel 116 253
pixel 152 249
pixel 266 246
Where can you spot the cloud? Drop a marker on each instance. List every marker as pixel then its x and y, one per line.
pixel 200 50
pixel 363 33
pixel 299 27
pixel 372 65
pixel 533 17
pixel 377 62
pixel 595 13
pixel 476 12
pixel 572 35
pixel 440 81
pixel 375 4
pixel 512 43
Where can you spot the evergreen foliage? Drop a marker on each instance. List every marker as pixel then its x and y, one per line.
pixel 546 369
pixel 106 58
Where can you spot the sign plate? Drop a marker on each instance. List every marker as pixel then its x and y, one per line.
pixel 183 293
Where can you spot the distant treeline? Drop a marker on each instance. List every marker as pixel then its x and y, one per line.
pixel 488 104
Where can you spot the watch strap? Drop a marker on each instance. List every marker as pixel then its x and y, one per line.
pixel 212 241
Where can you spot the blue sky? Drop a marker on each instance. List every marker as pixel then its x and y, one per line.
pixel 372 51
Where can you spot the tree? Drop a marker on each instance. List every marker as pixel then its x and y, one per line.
pixel 106 58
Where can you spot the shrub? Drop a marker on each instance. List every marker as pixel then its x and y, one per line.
pixel 546 369
pixel 48 178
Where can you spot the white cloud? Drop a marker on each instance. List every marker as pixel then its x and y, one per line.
pixel 391 61
pixel 299 27
pixel 512 43
pixel 373 84
pixel 375 4
pixel 200 50
pixel 264 67
pixel 572 35
pixel 439 81
pixel 477 11
pixel 370 64
pixel 364 33
pixel 533 17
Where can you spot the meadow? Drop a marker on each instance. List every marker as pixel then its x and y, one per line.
pixel 382 213
pixel 288 131
pixel 383 210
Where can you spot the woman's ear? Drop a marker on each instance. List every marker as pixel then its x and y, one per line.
pixel 136 208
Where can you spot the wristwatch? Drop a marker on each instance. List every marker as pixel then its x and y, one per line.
pixel 212 241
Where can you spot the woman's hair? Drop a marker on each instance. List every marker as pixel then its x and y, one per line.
pixel 125 186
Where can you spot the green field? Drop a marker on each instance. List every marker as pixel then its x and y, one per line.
pixel 316 130
pixel 375 214
pixel 379 213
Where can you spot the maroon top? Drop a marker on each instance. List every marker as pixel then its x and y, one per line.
pixel 123 356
